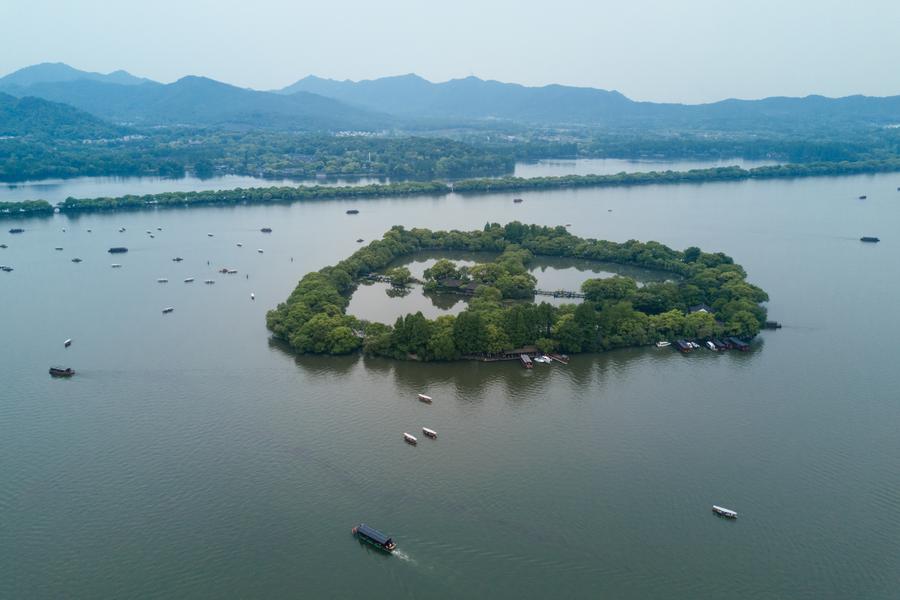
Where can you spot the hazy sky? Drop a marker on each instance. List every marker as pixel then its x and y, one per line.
pixel 688 50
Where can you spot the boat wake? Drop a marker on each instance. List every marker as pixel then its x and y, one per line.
pixel 404 556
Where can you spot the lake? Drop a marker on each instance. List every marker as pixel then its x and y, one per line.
pixel 57 190
pixel 193 456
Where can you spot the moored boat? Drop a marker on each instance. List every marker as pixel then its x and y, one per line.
pixel 430 433
pixel 374 537
pixel 711 346
pixel 560 358
pixel 62 371
pixel 724 512
pixel 424 398
pixel 526 361
pixel 410 439
pixel 663 344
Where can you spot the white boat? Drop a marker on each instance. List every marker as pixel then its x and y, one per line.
pixel 162 280
pixel 231 271
pixel 724 512
pixel 711 346
pixel 115 265
pixel 67 343
pixel 663 344
pixel 252 296
pixel 694 345
pixel 543 359
pixel 168 309
pixel 189 280
pixel 424 398
pixel 430 433
pixel 410 439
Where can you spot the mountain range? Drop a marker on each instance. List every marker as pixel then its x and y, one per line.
pixel 409 101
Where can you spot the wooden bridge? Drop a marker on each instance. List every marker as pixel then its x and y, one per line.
pixel 559 293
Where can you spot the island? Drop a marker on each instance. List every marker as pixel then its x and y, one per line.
pixel 708 297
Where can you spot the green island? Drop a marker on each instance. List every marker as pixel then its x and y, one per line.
pixel 615 313
pixel 414 188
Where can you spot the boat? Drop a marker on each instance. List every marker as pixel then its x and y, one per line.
pixel 149 232
pixel 121 229
pixel 62 371
pixel 259 250
pixel 152 236
pixel 359 241
pixel 720 345
pixel 58 248
pixel 663 344
pixel 231 271
pixel 373 536
pixel 67 343
pixel 683 346
pixel 177 259
pixel 352 211
pixel 209 281
pixel 76 260
pixel 863 197
pixel 168 309
pixel 189 280
pixel 252 296
pixel 209 235
pixel 560 358
pixel 724 512
pixel 543 359
pixel 738 344
pixel 240 245
pixel 430 433
pixel 162 280
pixel 89 231
pixel 4 246
pixel 410 439
pixel 266 230
pixel 517 200
pixel 867 238
pixel 118 250
pixel 424 398
pixel 116 266
pixel 17 230
pixel 711 346
pixel 6 269
pixel 223 270
pixel 526 361
pixel 159 228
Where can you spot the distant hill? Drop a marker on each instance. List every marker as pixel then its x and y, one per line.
pixel 201 101
pixel 57 72
pixel 473 98
pixel 41 118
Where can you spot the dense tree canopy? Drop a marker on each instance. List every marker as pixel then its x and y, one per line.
pixel 616 311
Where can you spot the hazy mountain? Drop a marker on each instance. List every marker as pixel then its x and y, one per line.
pixel 473 98
pixel 38 117
pixel 57 72
pixel 202 101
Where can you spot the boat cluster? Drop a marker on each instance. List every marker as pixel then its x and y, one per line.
pixel 431 433
pixel 716 345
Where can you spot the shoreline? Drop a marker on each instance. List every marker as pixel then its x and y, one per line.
pixel 288 195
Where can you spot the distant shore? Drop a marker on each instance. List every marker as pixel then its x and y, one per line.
pixel 276 195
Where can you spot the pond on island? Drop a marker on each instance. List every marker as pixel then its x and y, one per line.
pixel 382 302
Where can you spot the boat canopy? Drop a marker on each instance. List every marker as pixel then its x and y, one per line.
pixel 373 534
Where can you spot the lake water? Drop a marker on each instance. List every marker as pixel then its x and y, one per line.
pixel 57 190
pixel 610 166
pixel 191 456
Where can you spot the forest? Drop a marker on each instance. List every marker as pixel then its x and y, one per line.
pixel 615 313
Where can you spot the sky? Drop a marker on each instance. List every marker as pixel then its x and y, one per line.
pixel 676 51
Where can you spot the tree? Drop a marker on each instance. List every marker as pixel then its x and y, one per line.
pixel 399 276
pixel 442 269
pixel 469 333
pixel 612 288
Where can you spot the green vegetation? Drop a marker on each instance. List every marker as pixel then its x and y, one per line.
pixel 26 208
pixel 616 312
